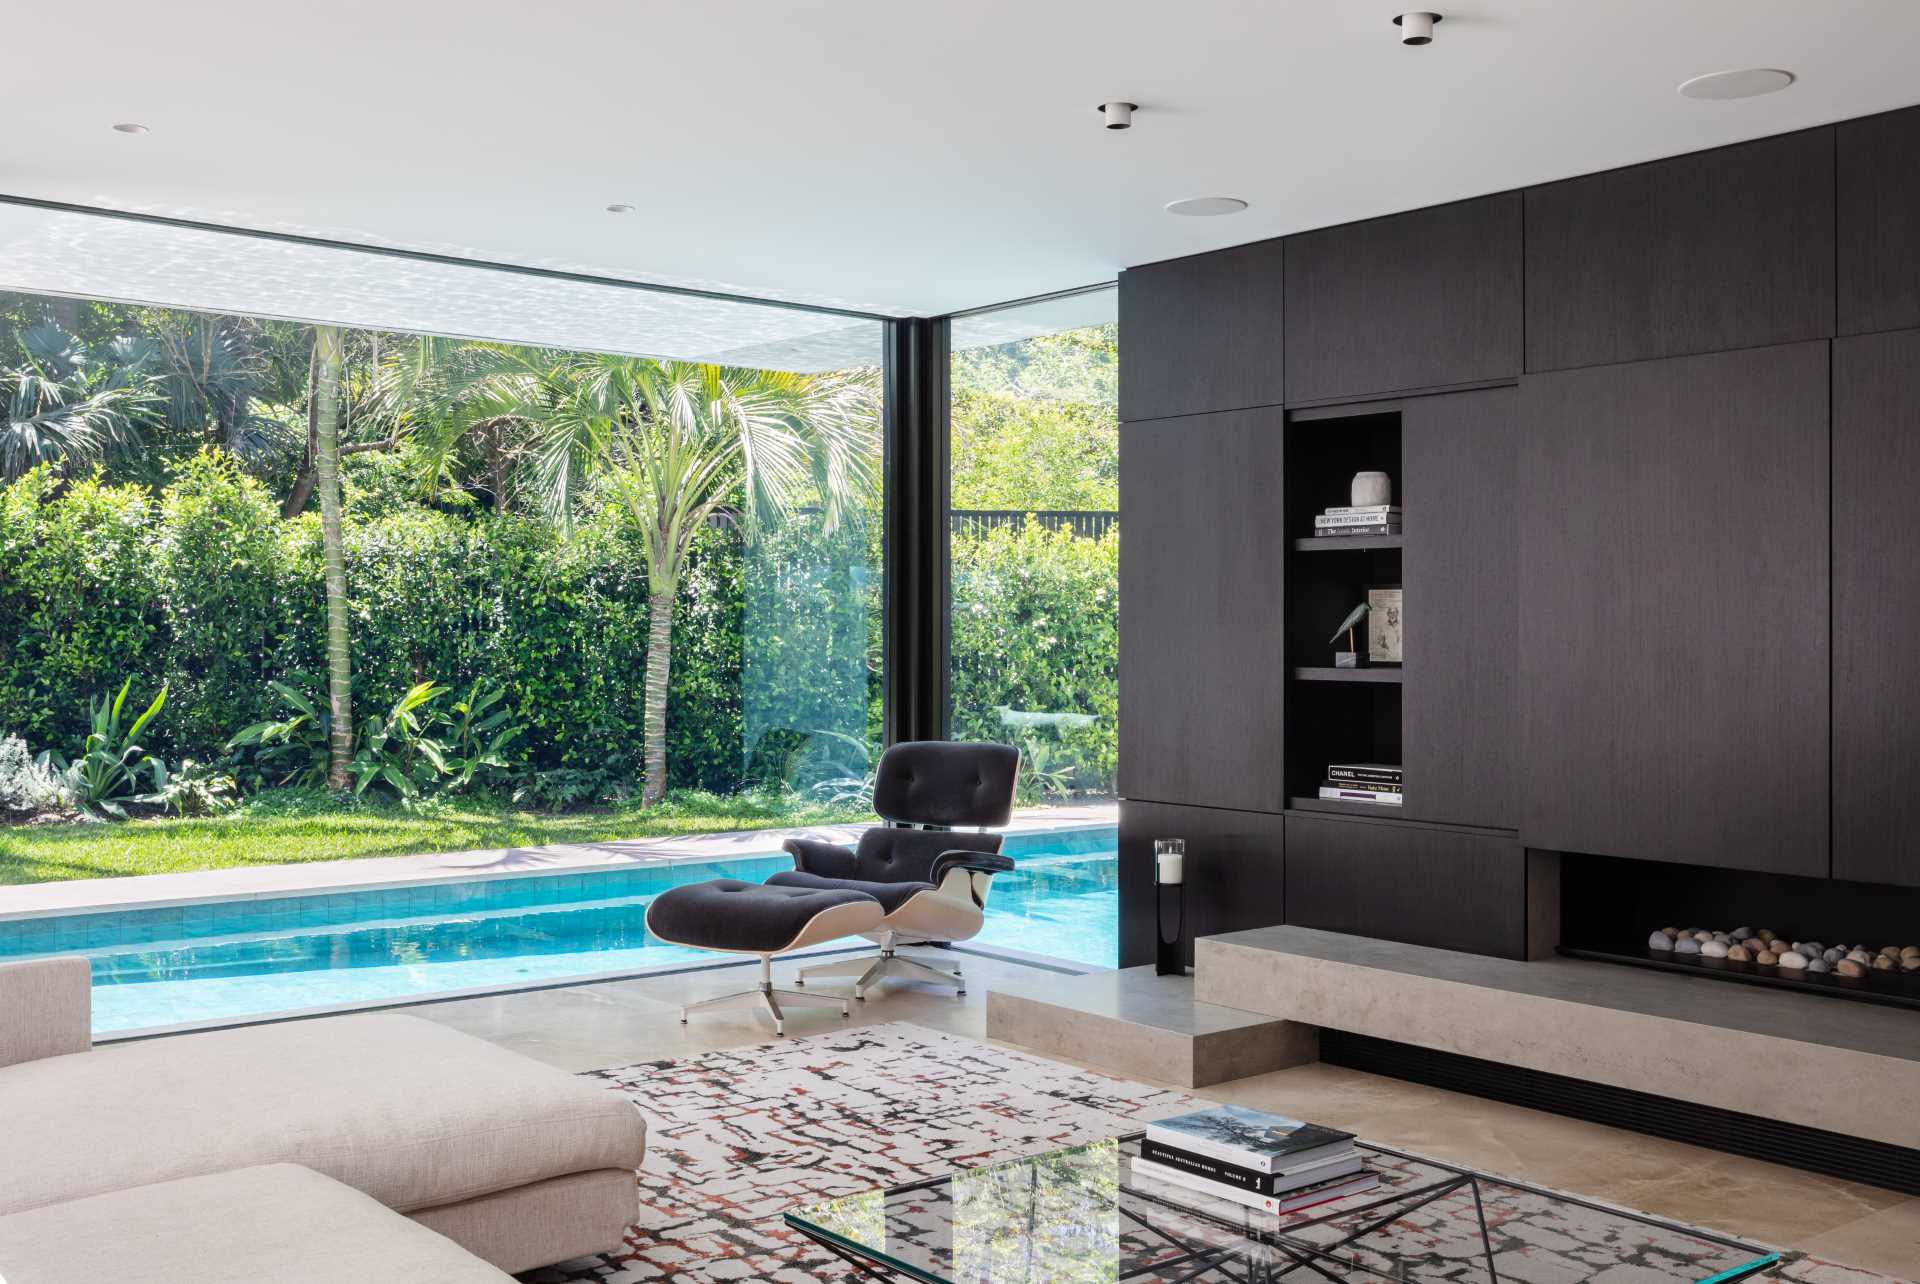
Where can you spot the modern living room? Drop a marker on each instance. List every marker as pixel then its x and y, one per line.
pixel 574 707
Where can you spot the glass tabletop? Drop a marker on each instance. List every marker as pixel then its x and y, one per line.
pixel 1080 1216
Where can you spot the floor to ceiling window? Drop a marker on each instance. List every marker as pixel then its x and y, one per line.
pixel 606 560
pixel 1035 540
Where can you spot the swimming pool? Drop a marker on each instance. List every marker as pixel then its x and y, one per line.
pixel 232 960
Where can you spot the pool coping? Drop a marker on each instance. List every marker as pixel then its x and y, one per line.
pixel 270 882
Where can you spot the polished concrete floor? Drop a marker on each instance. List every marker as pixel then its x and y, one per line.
pixel 617 1023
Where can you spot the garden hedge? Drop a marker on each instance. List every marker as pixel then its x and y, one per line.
pixel 206 588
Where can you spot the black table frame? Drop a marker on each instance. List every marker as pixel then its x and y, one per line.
pixel 1219 1263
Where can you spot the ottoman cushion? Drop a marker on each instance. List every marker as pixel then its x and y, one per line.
pixel 408 1111
pixel 755 918
pixel 277 1222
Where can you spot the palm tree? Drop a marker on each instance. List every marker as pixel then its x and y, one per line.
pixel 673 443
pixel 68 407
pixel 323 410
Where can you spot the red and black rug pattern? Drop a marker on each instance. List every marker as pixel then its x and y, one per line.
pixel 739 1137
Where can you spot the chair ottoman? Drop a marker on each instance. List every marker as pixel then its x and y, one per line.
pixel 277 1222
pixel 733 917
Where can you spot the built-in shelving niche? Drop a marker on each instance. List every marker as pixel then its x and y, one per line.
pixel 1336 715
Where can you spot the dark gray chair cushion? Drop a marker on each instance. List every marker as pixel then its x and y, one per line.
pixel 890 895
pixel 887 855
pixel 726 914
pixel 946 782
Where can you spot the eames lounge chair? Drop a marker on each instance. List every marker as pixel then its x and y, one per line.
pixel 930 879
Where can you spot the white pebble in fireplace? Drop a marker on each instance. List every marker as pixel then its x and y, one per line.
pixel 1746 945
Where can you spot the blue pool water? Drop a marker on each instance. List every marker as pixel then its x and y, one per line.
pixel 236 959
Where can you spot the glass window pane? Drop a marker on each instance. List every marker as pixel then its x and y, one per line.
pixel 1035 540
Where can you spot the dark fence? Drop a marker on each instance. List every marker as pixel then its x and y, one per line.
pixel 1086 522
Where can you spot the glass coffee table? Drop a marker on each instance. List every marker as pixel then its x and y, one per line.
pixel 1079 1216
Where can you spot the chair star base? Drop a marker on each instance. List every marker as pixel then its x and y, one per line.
pixel 871 969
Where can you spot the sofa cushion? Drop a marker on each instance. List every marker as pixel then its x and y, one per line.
pixel 279 1222
pixel 410 1112
pixel 890 895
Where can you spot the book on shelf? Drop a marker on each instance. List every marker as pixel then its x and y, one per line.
pixel 1356 519
pixel 1348 510
pixel 1252 1139
pixel 1355 772
pixel 1278 1183
pixel 1288 1202
pixel 1345 532
pixel 1346 793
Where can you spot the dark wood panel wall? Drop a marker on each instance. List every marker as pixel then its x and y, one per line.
pixel 1657 571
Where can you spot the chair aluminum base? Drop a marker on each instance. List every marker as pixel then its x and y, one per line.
pixel 764 993
pixel 872 969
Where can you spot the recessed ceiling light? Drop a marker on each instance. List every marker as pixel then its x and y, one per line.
pixel 619 209
pixel 1207 206
pixel 129 127
pixel 1749 82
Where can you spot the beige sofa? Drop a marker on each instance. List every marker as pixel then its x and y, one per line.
pixel 517 1162
pixel 278 1222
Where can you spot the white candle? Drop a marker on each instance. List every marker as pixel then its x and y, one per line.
pixel 1170 863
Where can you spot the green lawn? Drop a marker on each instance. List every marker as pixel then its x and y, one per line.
pixel 287 827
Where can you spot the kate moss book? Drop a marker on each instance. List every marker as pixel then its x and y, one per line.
pixel 1277 1205
pixel 1250 1138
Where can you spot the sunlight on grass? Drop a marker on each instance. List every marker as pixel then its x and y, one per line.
pixel 290 827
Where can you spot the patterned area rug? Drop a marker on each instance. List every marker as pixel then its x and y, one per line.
pixel 739 1137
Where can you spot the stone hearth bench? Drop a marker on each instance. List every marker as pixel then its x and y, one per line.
pixel 278 1222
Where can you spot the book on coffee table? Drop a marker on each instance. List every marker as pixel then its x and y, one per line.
pixel 1250 1139
pixel 1291 1201
pixel 1275 1183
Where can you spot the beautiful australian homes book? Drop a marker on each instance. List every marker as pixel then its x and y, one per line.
pixel 1250 1138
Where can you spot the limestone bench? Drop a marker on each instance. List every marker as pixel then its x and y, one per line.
pixel 520 1163
pixel 279 1222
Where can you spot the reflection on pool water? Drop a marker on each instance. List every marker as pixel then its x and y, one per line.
pixel 246 958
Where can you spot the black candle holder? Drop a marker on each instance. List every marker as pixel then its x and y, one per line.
pixel 1170 956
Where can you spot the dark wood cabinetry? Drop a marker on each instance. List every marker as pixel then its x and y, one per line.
pixel 1459 718
pixel 1202 334
pixel 1673 610
pixel 1878 186
pixel 1724 249
pixel 1412 301
pixel 1447 888
pixel 1202 611
pixel 1235 872
pixel 1876 608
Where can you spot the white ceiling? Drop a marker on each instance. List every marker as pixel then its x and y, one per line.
pixel 897 157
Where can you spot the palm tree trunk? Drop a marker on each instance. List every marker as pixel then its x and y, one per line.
pixel 659 668
pixel 329 354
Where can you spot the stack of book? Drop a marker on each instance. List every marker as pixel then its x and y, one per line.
pixel 1269 1162
pixel 1370 782
pixel 1374 519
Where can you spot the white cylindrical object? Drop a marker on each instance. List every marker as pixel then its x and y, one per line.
pixel 1416 28
pixel 1171 863
pixel 1119 115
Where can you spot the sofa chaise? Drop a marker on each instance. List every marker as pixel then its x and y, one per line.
pixel 519 1163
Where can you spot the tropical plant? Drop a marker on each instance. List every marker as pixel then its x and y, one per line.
pixel 478 737
pixel 107 773
pixel 323 421
pixel 847 767
pixel 1043 775
pixel 196 789
pixel 395 749
pixel 299 743
pixel 68 406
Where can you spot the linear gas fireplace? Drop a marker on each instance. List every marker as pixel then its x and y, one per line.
pixel 1814 935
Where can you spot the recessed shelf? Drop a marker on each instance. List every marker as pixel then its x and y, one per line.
pixel 1345 807
pixel 1318 674
pixel 1347 543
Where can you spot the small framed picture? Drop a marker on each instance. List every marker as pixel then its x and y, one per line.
pixel 1383 624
